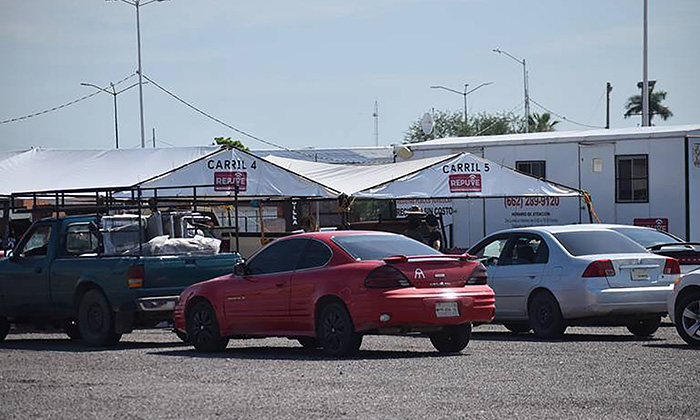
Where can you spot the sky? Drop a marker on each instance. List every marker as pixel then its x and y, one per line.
pixel 306 73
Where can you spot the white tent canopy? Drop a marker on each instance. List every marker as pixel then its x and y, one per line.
pixel 453 176
pixel 350 179
pixel 217 175
pixel 466 175
pixel 41 170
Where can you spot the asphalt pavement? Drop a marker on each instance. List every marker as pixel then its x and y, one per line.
pixel 592 373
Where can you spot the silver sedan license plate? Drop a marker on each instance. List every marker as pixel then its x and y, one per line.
pixel 640 274
pixel 446 309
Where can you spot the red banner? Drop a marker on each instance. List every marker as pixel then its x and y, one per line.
pixel 465 183
pixel 228 181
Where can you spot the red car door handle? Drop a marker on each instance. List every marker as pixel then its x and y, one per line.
pixel 279 284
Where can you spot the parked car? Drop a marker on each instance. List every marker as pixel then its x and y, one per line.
pixel 662 243
pixel 684 307
pixel 546 278
pixel 329 289
pixel 75 274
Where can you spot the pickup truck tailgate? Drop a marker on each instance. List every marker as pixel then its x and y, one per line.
pixel 173 273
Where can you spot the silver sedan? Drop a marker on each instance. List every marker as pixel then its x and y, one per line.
pixel 547 278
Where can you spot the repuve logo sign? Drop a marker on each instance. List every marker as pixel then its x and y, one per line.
pixel 228 181
pixel 465 183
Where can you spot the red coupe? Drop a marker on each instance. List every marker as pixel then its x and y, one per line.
pixel 329 289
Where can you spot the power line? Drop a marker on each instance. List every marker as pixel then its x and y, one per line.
pixel 269 143
pixel 563 117
pixel 515 108
pixel 67 104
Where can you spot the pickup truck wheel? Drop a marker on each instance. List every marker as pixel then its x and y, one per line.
pixel 203 328
pixel 452 338
pixel 644 327
pixel 4 328
pixel 72 330
pixel 96 320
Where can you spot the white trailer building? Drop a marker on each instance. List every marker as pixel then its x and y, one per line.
pixel 645 175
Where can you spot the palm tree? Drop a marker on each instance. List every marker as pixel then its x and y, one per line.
pixel 539 123
pixel 634 105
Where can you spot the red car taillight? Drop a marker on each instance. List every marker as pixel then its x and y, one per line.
pixel 134 276
pixel 386 277
pixel 672 266
pixel 600 268
pixel 478 275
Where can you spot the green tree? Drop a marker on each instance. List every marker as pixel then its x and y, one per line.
pixel 452 124
pixel 634 105
pixel 538 123
pixel 226 141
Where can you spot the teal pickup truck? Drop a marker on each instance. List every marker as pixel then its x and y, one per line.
pixel 59 274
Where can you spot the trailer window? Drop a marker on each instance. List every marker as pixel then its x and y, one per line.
pixel 536 168
pixel 631 179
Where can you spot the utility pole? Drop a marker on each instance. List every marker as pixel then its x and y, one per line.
pixel 645 75
pixel 154 137
pixel 376 123
pixel 137 5
pixel 608 89
pixel 114 92
pixel 525 85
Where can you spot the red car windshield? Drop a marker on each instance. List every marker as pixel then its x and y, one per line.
pixel 378 247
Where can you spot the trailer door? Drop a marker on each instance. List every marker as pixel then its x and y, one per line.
pixel 597 176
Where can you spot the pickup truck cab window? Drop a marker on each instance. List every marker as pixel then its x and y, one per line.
pixel 36 243
pixel 80 239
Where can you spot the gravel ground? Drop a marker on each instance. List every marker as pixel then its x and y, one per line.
pixel 591 373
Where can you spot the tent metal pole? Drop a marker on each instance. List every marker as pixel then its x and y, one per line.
pixel 140 223
pixel 235 204
pixel 483 214
pixel 6 222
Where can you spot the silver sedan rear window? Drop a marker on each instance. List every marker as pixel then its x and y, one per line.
pixel 596 242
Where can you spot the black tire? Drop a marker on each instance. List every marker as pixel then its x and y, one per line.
pixel 4 328
pixel 688 318
pixel 545 316
pixel 452 339
pixel 518 327
pixel 336 332
pixel 644 327
pixel 96 320
pixel 203 328
pixel 309 342
pixel 72 330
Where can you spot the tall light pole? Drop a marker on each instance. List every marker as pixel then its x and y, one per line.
pixel 527 95
pixel 114 94
pixel 464 93
pixel 645 77
pixel 137 5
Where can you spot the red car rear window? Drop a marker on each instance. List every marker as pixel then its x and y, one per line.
pixel 377 247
